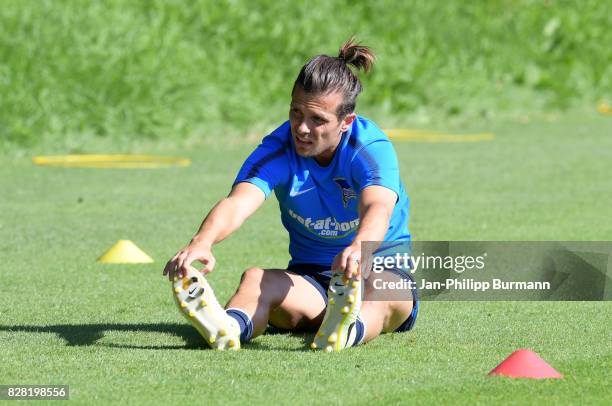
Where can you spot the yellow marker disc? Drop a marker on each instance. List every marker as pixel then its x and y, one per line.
pixel 407 134
pixel 110 161
pixel 604 108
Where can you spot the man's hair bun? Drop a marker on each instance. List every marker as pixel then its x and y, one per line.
pixel 360 56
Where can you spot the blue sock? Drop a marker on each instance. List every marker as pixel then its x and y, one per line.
pixel 244 321
pixel 360 331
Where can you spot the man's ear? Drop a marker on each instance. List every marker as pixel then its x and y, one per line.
pixel 348 121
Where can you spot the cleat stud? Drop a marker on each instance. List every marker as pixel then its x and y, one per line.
pixel 231 343
pixel 222 333
pixel 332 338
pixel 177 290
pixel 203 302
pixel 331 301
pixel 183 304
pixel 345 280
pixel 212 340
pixel 329 348
pixel 319 334
pixel 355 284
pixel 176 279
pixel 351 299
pixel 313 346
pixel 191 313
pixel 345 310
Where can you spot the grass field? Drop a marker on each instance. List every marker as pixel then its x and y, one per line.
pixel 73 70
pixel 113 334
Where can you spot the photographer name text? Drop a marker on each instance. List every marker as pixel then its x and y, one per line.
pixel 461 284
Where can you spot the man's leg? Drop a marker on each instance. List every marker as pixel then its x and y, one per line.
pixel 349 321
pixel 385 316
pixel 279 297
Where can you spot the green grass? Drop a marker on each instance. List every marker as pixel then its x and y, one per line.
pixel 72 71
pixel 113 334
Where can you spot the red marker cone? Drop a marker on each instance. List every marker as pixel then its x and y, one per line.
pixel 525 364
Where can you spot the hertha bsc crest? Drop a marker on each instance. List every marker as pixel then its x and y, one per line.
pixel 347 191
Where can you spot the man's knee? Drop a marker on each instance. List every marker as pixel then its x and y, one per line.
pixel 269 286
pixel 252 275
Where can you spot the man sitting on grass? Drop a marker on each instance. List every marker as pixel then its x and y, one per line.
pixel 336 178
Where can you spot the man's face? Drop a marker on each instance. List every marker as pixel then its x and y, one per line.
pixel 315 127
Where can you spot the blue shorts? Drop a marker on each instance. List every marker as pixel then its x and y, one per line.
pixel 319 276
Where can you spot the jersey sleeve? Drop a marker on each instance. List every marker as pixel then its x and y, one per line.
pixel 266 165
pixel 376 164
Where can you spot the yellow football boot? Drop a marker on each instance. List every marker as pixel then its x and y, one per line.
pixel 197 302
pixel 337 331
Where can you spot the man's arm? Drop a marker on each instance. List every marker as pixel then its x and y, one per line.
pixel 376 205
pixel 225 218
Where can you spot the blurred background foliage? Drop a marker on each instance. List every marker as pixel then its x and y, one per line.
pixel 174 70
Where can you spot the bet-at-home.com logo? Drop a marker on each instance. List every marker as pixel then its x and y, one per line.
pixel 327 227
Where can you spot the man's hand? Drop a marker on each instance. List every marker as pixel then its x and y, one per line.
pixel 180 263
pixel 348 262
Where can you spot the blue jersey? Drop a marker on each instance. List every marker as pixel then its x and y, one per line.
pixel 319 204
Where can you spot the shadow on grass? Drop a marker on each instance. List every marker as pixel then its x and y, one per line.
pixel 89 334
pixel 77 335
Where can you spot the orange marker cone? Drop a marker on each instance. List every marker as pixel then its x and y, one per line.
pixel 525 364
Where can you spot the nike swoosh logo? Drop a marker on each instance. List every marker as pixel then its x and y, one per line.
pixel 294 193
pixel 193 290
